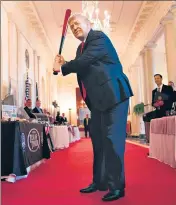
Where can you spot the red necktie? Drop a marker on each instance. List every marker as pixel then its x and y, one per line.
pixel 83 88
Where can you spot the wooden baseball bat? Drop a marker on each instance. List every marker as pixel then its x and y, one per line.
pixel 64 31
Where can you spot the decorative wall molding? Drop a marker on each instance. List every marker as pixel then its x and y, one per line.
pixel 150 45
pixel 145 33
pixel 145 12
pixel 173 9
pixel 167 19
pixel 29 10
pixel 142 17
pixel 157 33
pixel 24 25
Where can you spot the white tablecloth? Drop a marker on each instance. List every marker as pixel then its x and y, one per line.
pixel 59 136
pixel 76 136
pixel 13 178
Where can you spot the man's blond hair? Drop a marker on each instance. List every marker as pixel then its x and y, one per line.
pixel 78 15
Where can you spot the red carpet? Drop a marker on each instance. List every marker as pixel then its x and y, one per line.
pixel 57 182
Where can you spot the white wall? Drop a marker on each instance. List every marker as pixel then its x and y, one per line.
pixel 4 53
pixel 17 35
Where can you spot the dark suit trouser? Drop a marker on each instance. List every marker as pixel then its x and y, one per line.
pixel 86 129
pixel 108 134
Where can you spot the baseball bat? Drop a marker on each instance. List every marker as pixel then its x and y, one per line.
pixel 64 31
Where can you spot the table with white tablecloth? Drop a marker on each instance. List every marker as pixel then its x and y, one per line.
pixel 163 140
pixel 60 136
pixel 75 135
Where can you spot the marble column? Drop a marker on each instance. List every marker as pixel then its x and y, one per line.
pixel 34 74
pixel 4 53
pixel 148 64
pixel 133 73
pixel 9 45
pixel 170 44
pixel 38 80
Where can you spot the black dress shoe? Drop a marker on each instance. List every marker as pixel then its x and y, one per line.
pixel 114 195
pixel 93 188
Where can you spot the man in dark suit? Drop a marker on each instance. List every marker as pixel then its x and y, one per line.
pixel 87 125
pixel 106 91
pixel 28 109
pixel 174 94
pixel 37 108
pixel 58 119
pixel 166 104
pixel 64 119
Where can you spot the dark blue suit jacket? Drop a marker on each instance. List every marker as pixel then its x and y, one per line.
pixel 99 68
pixel 168 90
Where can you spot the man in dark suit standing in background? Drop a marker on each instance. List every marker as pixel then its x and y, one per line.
pixel 106 91
pixel 87 125
pixel 64 119
pixel 37 108
pixel 58 119
pixel 166 104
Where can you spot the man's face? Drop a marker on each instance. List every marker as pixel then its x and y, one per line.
pixel 63 115
pixel 29 103
pixel 79 27
pixel 158 80
pixel 87 116
pixel 38 103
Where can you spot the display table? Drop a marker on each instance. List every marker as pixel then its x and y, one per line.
pixel 75 136
pixel 163 140
pixel 24 146
pixel 59 136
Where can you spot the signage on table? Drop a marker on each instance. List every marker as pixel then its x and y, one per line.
pixel 33 140
pixel 9 111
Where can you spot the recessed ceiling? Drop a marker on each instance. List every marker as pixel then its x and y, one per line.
pixel 123 16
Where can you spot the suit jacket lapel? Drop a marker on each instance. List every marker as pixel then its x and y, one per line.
pixel 78 53
pixel 163 88
pixel 89 38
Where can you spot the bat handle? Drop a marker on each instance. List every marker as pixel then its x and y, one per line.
pixel 60 51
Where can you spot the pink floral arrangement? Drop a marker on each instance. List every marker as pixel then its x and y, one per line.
pixel 159 103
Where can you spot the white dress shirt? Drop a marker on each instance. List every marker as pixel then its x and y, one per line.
pixel 160 88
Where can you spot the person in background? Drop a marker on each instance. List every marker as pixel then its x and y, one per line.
pixel 64 119
pixel 87 125
pixel 28 109
pixel 58 119
pixel 170 83
pixel 174 94
pixel 37 108
pixel 162 106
